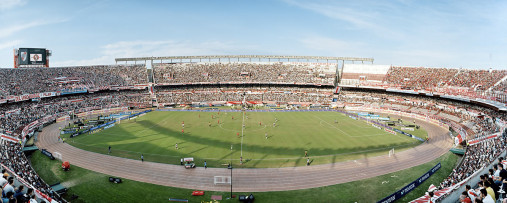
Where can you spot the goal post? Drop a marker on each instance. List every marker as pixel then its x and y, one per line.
pixel 222 180
pixel 391 152
pixel 58 156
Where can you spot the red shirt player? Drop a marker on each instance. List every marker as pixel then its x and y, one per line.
pixel 237 134
pixel 182 130
pixel 260 123
pixel 218 121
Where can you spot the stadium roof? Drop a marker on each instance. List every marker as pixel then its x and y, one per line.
pixel 245 57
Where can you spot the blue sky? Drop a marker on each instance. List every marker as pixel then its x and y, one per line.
pixel 468 34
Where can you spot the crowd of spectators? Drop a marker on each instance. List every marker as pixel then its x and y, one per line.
pixel 243 73
pixel 278 95
pixel 14 116
pixel 477 156
pixel 479 79
pixel 502 87
pixel 429 78
pixel 12 157
pixel 36 80
pixel 419 78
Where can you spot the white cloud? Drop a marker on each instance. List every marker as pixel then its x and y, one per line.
pixel 353 14
pixel 9 44
pixel 7 4
pixel 8 31
pixel 326 46
pixel 124 49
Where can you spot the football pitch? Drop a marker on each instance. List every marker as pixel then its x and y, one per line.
pixel 268 139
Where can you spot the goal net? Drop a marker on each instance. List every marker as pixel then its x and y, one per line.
pixel 57 155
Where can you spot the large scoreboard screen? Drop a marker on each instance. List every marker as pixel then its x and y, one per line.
pixel 31 56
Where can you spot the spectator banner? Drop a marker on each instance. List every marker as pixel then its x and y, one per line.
pixel 63 118
pixel 458 139
pixel 483 138
pixel 74 91
pixel 9 138
pixel 408 188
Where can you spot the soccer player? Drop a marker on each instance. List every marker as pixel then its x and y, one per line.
pixel 142 158
pixel 237 134
pixel 306 153
pixel 260 123
pixel 182 131
pixel 274 125
pixel 209 124
pixel 176 146
pixel 266 134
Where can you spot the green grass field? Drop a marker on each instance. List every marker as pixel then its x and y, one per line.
pixel 155 134
pixel 94 187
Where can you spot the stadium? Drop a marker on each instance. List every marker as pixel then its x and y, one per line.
pixel 265 101
pixel 294 126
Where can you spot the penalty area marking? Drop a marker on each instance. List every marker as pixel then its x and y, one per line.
pixel 346 132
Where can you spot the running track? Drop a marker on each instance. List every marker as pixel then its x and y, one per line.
pixel 250 180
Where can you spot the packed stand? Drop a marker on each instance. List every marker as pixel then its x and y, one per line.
pixel 476 157
pixel 502 87
pixel 243 73
pixel 13 117
pixel 13 158
pixel 479 79
pixel 430 78
pixel 419 78
pixel 279 95
pixel 36 80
